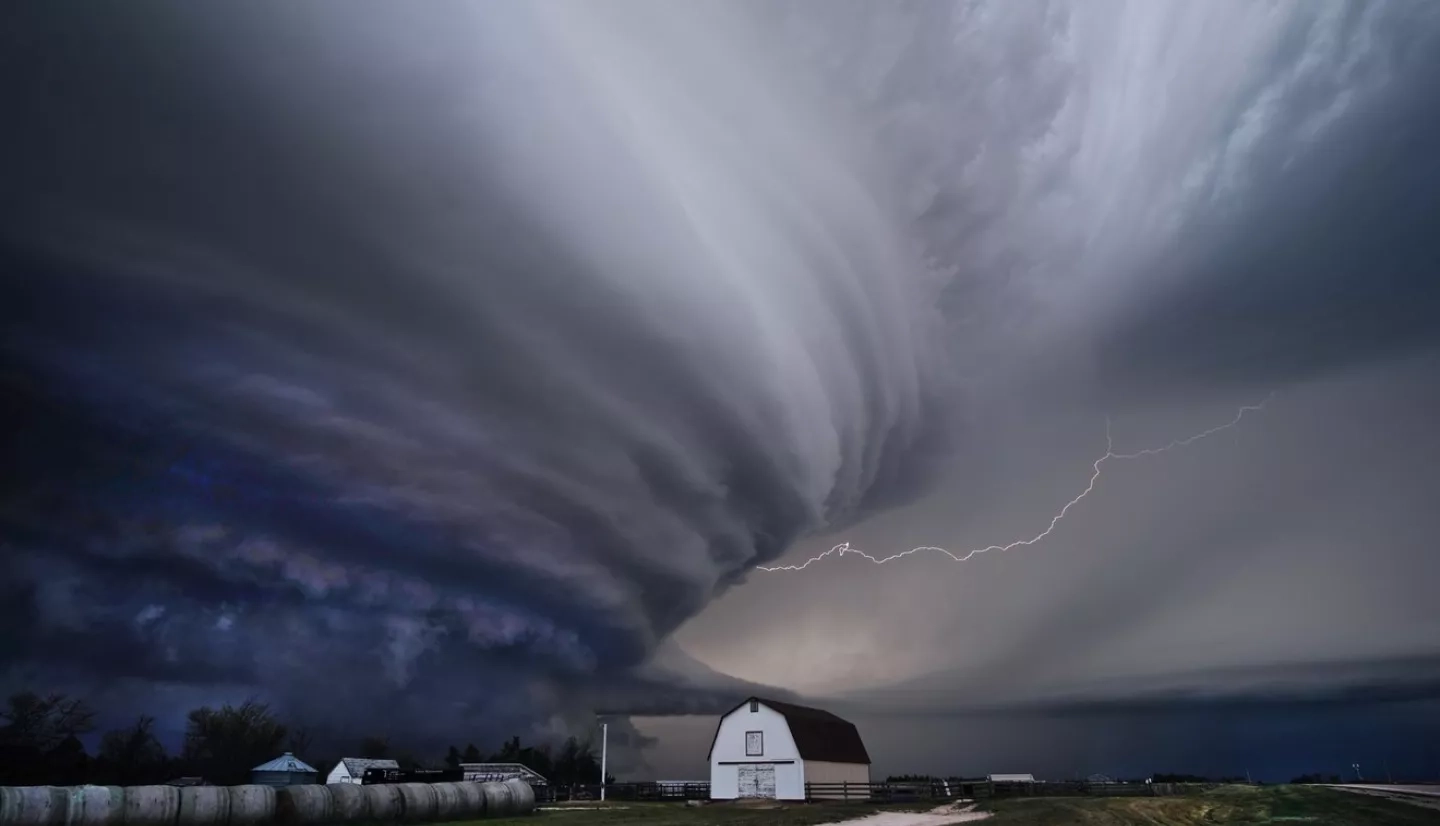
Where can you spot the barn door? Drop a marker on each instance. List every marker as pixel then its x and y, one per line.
pixel 757 780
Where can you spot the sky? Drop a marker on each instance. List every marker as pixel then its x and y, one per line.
pixel 452 368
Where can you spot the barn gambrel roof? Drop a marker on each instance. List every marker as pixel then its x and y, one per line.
pixel 819 735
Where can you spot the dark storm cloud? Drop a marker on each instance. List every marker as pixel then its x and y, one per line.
pixel 1157 212
pixel 371 350
pixel 469 353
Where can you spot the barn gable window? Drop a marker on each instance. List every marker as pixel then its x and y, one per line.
pixel 754 744
pixel 754 706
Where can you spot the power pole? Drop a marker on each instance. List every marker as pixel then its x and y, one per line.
pixel 604 755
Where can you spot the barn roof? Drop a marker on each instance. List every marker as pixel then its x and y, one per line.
pixel 819 735
pixel 286 762
pixel 356 766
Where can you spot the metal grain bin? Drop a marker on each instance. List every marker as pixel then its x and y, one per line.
pixel 383 801
pixel 419 802
pixel 95 806
pixel 499 799
pixel 522 796
pixel 251 805
pixel 348 802
pixel 33 805
pixel 204 806
pixel 285 770
pixel 472 800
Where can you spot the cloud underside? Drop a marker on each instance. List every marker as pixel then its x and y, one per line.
pixel 465 354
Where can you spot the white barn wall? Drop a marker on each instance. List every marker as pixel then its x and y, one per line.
pixel 729 752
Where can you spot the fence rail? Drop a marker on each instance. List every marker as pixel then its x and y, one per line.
pixel 898 792
pixel 556 793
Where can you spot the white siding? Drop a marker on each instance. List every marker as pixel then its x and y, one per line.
pixel 778 748
pixel 824 772
pixel 340 774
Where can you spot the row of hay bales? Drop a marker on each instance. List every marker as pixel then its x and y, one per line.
pixel 261 805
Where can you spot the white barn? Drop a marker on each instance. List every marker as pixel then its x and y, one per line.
pixel 765 748
pixel 351 769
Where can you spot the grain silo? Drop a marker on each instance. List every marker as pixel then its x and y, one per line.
pixel 285 770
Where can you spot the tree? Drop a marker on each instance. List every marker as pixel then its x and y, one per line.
pixel 44 722
pixel 299 740
pixel 453 758
pixel 39 738
pixel 375 748
pixel 225 744
pixel 472 754
pixel 133 756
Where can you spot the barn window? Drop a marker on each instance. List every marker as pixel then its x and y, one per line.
pixel 754 744
pixel 754 706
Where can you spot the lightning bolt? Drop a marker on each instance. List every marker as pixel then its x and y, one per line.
pixel 1110 455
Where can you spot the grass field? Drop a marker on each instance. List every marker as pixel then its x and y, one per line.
pixel 1233 805
pixel 1230 806
pixel 678 814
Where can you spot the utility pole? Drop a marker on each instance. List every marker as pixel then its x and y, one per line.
pixel 604 755
pixel 1358 777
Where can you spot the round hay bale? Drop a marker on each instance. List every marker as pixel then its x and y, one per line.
pixel 383 802
pixel 151 805
pixel 499 800
pixel 522 796
pixel 33 805
pixel 349 803
pixel 447 801
pixel 472 800
pixel 418 802
pixel 251 805
pixel 95 806
pixel 303 804
pixel 204 806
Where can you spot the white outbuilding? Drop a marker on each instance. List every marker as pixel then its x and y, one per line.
pixel 352 769
pixel 765 748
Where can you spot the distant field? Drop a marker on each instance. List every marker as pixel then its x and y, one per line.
pixel 1233 805
pixel 678 814
pixel 1230 806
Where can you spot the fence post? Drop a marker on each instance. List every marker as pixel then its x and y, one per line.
pixel 845 789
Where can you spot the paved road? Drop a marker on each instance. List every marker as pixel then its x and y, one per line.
pixel 1427 791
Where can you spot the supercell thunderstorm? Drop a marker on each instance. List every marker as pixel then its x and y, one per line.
pixel 474 349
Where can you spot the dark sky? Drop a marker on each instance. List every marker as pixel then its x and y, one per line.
pixel 451 369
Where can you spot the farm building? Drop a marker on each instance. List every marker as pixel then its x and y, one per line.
pixel 285 770
pixel 500 772
pixel 1011 778
pixel 765 748
pixel 352 769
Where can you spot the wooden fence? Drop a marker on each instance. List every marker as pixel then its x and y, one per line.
pixel 899 792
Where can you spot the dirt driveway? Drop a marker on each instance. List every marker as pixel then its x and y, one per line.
pixel 957 812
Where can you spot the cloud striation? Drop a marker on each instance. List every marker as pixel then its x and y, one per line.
pixel 454 357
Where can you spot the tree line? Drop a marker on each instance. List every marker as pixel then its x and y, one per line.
pixel 40 744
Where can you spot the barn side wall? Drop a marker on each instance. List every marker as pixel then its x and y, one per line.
pixel 819 771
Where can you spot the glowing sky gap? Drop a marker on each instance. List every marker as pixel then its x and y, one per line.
pixel 844 548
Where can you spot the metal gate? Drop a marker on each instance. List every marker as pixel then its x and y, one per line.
pixel 757 780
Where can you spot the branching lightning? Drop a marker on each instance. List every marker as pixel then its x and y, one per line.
pixel 844 548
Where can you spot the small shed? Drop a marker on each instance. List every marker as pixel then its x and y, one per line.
pixel 285 770
pixel 352 769
pixel 769 749
pixel 1011 778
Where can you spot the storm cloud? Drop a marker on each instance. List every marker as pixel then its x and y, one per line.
pixel 470 352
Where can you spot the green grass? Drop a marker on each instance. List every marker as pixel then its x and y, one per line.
pixel 714 814
pixel 1228 806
